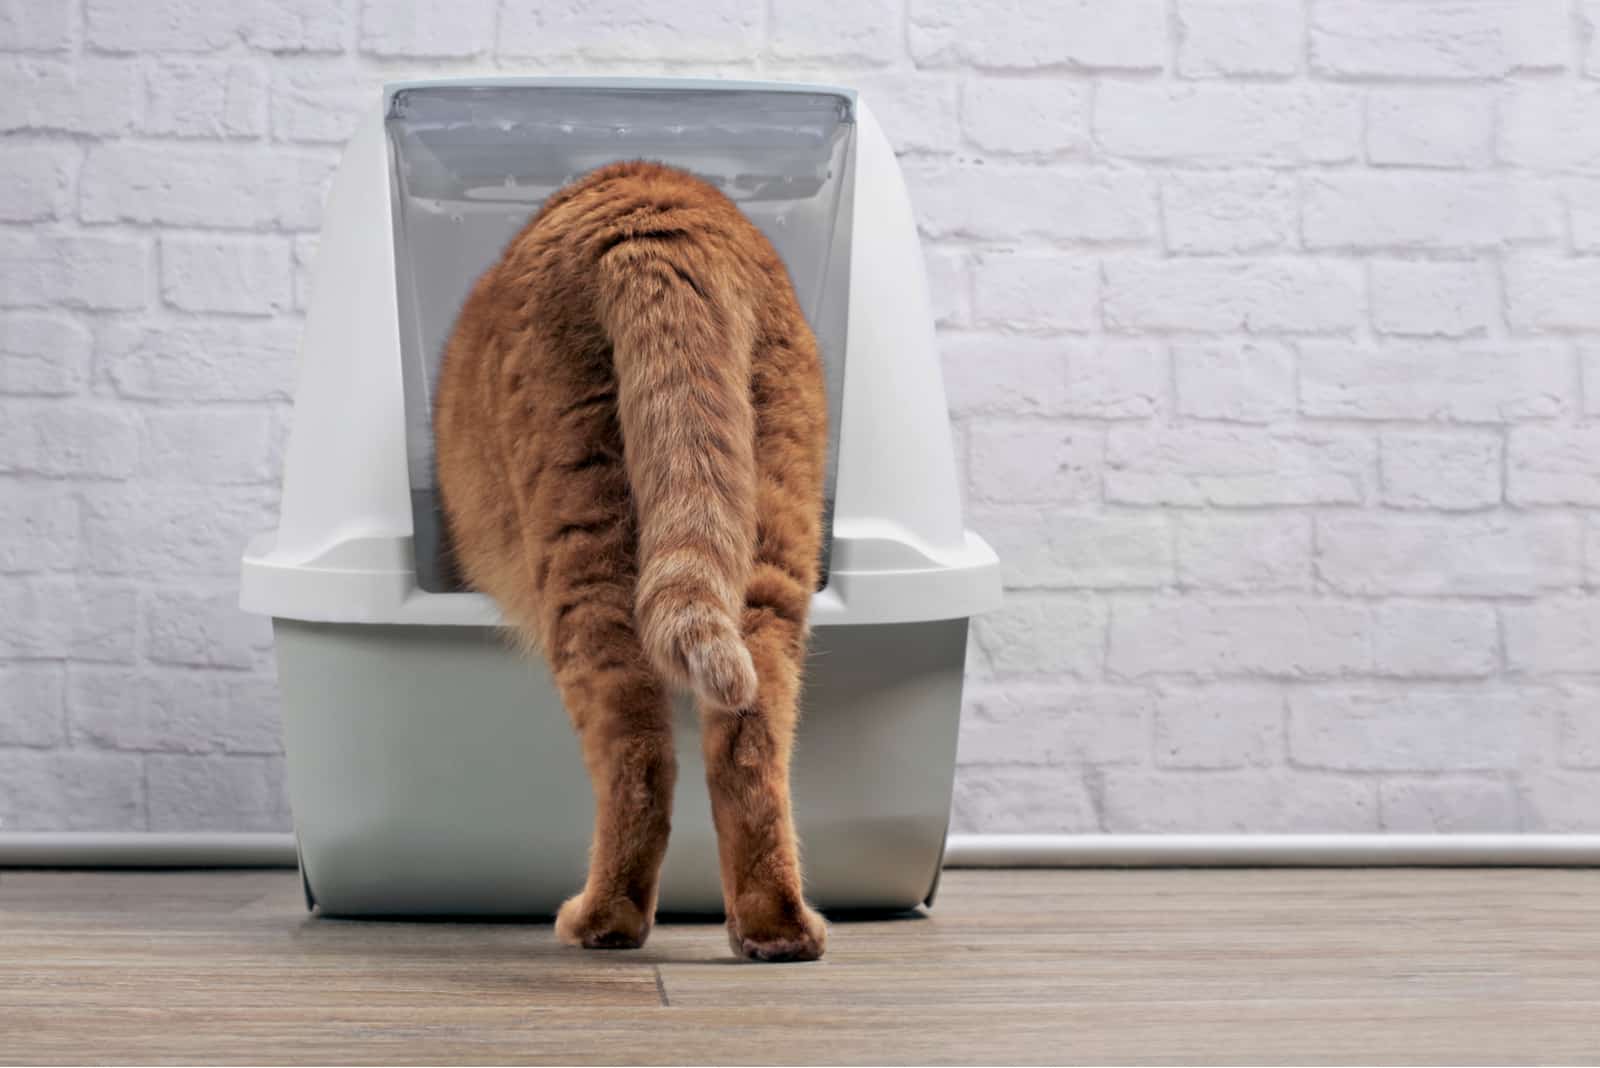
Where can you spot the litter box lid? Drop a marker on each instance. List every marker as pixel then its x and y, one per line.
pixel 441 173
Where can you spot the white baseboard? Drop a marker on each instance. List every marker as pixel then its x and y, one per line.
pixel 81 849
pixel 1271 850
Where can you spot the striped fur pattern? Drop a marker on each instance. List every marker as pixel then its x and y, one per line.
pixel 630 428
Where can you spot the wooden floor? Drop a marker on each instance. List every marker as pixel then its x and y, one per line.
pixel 1392 966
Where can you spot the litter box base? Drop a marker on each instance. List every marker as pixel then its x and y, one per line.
pixel 432 771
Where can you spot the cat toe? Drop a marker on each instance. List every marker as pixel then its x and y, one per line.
pixel 802 938
pixel 613 925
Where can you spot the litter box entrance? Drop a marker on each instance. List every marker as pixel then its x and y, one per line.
pixel 471 163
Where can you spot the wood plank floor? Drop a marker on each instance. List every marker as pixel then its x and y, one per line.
pixel 1392 966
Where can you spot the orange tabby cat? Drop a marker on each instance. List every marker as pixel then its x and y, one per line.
pixel 630 434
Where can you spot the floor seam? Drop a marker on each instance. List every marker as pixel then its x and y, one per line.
pixel 661 987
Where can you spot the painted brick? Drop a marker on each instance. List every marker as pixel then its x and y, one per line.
pixel 1589 14
pixel 253 723
pixel 1229 212
pixel 1553 637
pixel 1016 35
pixel 918 110
pixel 1235 381
pixel 1004 375
pixel 1425 639
pixel 1031 798
pixel 55 790
pixel 1032 635
pixel 1271 639
pixel 1078 550
pixel 1554 466
pixel 417 29
pixel 1292 296
pixel 1115 380
pixel 1219 727
pixel 949 286
pixel 35 26
pixel 621 30
pixel 32 706
pixel 206 99
pixel 1483 383
pixel 1560 802
pixel 1050 291
pixel 150 529
pixel 1374 211
pixel 1092 726
pixel 1009 203
pixel 65 618
pixel 1583 208
pixel 67 439
pixel 319 105
pixel 1553 127
pixel 42 354
pixel 202 630
pixel 1545 293
pixel 38 529
pixel 1030 116
pixel 1422 299
pixel 1448 805
pixel 305 258
pixel 1592 550
pixel 232 186
pixel 297 25
pixel 220 273
pixel 207 447
pixel 206 793
pixel 1440 470
pixel 1244 553
pixel 1235 467
pixel 846 31
pixel 1460 39
pixel 1035 462
pixel 1418 730
pixel 36 181
pixel 201 361
pixel 162 25
pixel 91 271
pixel 1180 802
pixel 1578 727
pixel 146 712
pixel 94 95
pixel 1224 125
pixel 1500 555
pixel 1222 38
pixel 1430 127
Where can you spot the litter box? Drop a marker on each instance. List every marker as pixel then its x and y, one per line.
pixel 431 769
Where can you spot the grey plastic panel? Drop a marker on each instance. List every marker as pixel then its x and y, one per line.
pixel 472 162
pixel 433 771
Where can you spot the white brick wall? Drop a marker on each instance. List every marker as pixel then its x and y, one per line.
pixel 1270 331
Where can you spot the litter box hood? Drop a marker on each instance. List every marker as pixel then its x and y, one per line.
pixel 443 173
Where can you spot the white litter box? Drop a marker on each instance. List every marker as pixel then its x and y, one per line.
pixel 431 769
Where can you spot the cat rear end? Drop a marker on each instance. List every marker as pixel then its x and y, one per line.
pixel 630 430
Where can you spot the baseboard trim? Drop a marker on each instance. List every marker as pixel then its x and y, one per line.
pixel 1272 850
pixel 86 849
pixel 133 849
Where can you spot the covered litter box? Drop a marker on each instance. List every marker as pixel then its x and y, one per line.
pixel 431 769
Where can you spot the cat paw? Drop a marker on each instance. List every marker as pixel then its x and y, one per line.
pixel 795 933
pixel 612 924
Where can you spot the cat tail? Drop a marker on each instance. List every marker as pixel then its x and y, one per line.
pixel 681 339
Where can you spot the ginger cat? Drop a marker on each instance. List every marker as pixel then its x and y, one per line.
pixel 630 429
